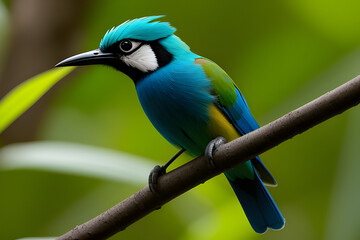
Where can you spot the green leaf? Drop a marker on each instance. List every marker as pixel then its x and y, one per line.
pixel 77 159
pixel 21 98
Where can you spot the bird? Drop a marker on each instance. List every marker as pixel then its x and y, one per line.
pixel 191 101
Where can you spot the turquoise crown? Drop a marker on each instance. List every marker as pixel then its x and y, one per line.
pixel 139 29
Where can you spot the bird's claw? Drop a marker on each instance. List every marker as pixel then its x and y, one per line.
pixel 157 171
pixel 154 175
pixel 210 148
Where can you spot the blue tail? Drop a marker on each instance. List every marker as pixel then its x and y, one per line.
pixel 257 203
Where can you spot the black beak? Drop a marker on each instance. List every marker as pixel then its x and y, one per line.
pixel 89 58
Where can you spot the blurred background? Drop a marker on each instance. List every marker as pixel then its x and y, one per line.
pixel 87 145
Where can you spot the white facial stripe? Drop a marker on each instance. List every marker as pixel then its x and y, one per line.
pixel 143 59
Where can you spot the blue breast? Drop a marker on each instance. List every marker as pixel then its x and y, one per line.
pixel 176 99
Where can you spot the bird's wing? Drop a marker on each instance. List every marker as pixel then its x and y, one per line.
pixel 231 102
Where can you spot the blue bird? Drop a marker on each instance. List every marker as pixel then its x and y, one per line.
pixel 191 101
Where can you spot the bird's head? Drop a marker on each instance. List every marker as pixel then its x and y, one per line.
pixel 136 48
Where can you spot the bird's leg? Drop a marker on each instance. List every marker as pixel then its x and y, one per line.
pixel 210 148
pixel 157 171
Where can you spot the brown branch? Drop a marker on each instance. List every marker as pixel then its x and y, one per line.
pixel 226 156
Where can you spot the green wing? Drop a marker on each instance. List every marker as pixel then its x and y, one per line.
pixel 223 86
pixel 234 107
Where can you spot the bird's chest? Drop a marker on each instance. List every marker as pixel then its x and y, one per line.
pixel 177 102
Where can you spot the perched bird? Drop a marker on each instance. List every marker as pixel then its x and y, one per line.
pixel 191 101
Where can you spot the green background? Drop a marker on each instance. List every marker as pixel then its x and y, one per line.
pixel 282 54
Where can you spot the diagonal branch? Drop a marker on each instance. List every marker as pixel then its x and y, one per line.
pixel 226 156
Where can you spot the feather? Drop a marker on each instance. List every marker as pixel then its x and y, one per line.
pixel 140 29
pixel 143 59
pixel 257 203
pixel 175 98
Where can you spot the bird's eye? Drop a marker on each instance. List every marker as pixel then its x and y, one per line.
pixel 128 45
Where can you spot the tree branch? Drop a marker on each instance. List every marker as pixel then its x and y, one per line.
pixel 226 156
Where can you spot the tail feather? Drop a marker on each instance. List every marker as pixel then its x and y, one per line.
pixel 264 174
pixel 257 203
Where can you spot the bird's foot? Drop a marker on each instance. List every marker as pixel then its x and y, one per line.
pixel 154 175
pixel 210 148
pixel 157 171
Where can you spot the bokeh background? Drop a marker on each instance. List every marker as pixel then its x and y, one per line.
pixel 87 145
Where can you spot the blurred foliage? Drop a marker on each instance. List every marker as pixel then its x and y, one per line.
pixel 21 98
pixel 281 54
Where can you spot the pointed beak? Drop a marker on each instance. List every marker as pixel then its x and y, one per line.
pixel 88 58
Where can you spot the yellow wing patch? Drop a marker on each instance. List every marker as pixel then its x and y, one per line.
pixel 220 126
